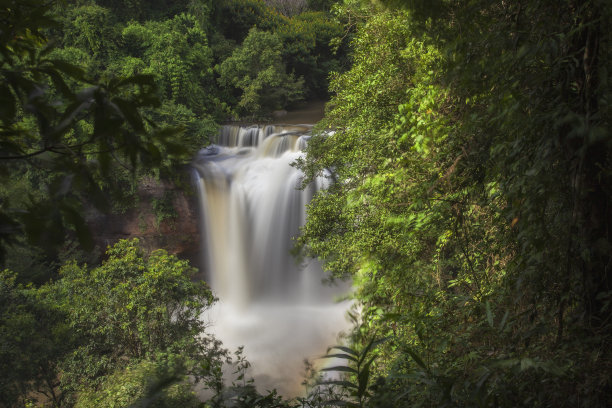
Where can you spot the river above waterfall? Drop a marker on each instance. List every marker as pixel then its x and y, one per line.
pixel 251 208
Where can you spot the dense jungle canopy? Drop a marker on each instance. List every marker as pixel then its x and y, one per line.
pixel 469 150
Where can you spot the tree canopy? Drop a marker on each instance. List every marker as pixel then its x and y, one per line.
pixel 469 154
pixel 135 313
pixel 470 158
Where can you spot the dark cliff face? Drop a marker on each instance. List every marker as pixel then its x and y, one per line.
pixel 164 216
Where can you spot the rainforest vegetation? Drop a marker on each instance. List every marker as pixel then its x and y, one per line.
pixel 469 149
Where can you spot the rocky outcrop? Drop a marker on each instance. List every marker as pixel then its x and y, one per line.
pixel 164 216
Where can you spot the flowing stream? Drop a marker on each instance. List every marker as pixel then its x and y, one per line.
pixel 251 207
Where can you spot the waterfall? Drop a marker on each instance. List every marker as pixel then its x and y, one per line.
pixel 251 207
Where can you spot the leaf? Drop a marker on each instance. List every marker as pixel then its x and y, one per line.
pixel 153 152
pixel 130 113
pixel 363 378
pixel 67 120
pixel 59 83
pixel 69 69
pixel 373 343
pixel 176 149
pixel 341 368
pixel 347 350
pixel 365 352
pixel 416 358
pixel 485 373
pixel 48 48
pixel 506 363
pixel 344 356
pixel 87 184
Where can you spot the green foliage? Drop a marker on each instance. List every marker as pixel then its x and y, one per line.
pixel 288 7
pixel 163 208
pixel 139 10
pixel 71 129
pixel 34 337
pixel 320 5
pixel 90 28
pixel 79 57
pixel 257 70
pixel 196 130
pixel 470 159
pixel 127 332
pixel 310 39
pixel 176 52
pixel 307 49
pixel 122 89
pixel 133 307
pixel 235 18
pixel 149 302
pixel 143 384
pixel 357 370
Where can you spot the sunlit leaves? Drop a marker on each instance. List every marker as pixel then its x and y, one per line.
pixel 467 185
pixel 355 374
pixel 134 306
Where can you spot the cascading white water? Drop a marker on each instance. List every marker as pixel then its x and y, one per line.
pixel 251 207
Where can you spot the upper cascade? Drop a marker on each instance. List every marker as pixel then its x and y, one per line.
pixel 252 206
pixel 269 140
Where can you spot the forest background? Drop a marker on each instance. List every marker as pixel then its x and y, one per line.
pixel 471 163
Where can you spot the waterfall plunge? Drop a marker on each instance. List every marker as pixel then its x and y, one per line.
pixel 251 208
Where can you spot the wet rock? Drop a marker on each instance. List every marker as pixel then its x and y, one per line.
pixel 177 233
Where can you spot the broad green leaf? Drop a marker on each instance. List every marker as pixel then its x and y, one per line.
pixel 364 377
pixel 341 368
pixel 346 350
pixel 344 356
pixel 69 69
pixel 416 358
